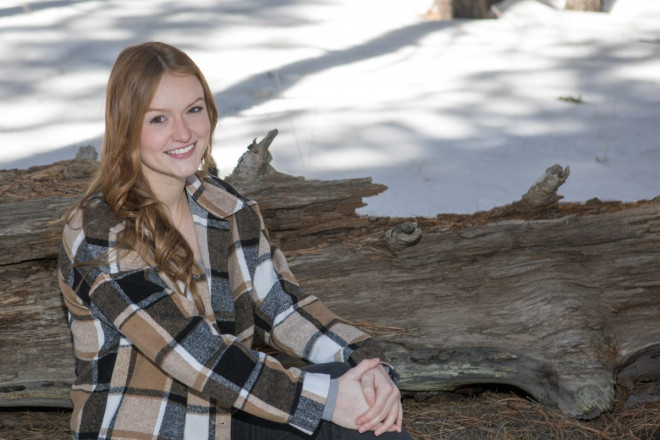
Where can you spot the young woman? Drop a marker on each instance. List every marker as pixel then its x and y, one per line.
pixel 168 275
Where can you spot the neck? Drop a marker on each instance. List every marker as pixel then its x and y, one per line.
pixel 170 192
pixel 173 200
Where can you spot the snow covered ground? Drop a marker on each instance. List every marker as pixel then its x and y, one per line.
pixel 452 116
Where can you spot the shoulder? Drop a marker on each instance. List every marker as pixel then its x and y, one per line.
pixel 94 219
pixel 217 196
pixel 90 231
pixel 216 182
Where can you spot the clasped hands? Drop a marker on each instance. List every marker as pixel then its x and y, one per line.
pixel 368 400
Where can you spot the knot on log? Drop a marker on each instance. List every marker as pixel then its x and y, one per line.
pixel 544 191
pixel 402 236
pixel 254 164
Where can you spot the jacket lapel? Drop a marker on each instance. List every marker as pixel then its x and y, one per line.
pixel 212 206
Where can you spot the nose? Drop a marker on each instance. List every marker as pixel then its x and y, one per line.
pixel 180 130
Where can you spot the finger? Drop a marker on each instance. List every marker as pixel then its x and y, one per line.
pixel 363 367
pixel 368 382
pixel 389 422
pixel 387 395
pixel 376 410
pixel 397 426
pixel 372 417
pixel 389 411
pixel 382 388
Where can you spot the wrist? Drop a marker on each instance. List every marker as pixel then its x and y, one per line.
pixel 391 372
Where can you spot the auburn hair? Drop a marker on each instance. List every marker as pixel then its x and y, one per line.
pixel 133 81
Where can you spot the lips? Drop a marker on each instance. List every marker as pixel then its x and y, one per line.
pixel 181 152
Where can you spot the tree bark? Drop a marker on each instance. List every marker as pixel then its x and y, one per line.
pixel 555 299
pixel 556 307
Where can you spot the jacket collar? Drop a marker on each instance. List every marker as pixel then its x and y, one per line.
pixel 214 195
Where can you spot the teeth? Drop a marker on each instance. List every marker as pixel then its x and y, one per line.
pixel 181 150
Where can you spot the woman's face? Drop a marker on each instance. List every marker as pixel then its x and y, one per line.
pixel 175 129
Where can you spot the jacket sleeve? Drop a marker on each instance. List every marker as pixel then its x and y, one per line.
pixel 297 323
pixel 131 298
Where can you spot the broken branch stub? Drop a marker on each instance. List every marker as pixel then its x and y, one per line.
pixel 254 164
pixel 544 191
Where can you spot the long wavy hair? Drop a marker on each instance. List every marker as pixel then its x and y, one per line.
pixel 133 82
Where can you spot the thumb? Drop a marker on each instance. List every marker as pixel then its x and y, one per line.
pixel 364 366
pixel 368 387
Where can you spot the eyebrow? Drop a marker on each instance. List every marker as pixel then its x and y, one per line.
pixel 201 98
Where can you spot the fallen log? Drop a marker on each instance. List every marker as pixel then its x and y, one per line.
pixel 555 299
pixel 555 307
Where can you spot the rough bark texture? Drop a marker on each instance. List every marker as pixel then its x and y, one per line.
pixel 555 299
pixel 554 307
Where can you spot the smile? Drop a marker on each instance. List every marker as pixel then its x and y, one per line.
pixel 181 151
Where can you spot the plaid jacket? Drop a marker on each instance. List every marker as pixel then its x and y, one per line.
pixel 148 366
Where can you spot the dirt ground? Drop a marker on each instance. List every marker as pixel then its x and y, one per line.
pixel 491 414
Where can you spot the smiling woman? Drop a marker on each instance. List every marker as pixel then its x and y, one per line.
pixel 168 274
pixel 176 126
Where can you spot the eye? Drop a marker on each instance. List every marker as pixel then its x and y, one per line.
pixel 157 120
pixel 196 109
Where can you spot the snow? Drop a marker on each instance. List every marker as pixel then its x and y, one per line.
pixel 454 116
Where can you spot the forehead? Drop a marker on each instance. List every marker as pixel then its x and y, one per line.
pixel 176 90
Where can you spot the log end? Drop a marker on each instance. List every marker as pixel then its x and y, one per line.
pixel 588 401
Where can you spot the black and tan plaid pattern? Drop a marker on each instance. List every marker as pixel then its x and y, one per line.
pixel 150 366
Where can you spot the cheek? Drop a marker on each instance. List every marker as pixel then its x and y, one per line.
pixel 204 128
pixel 149 141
